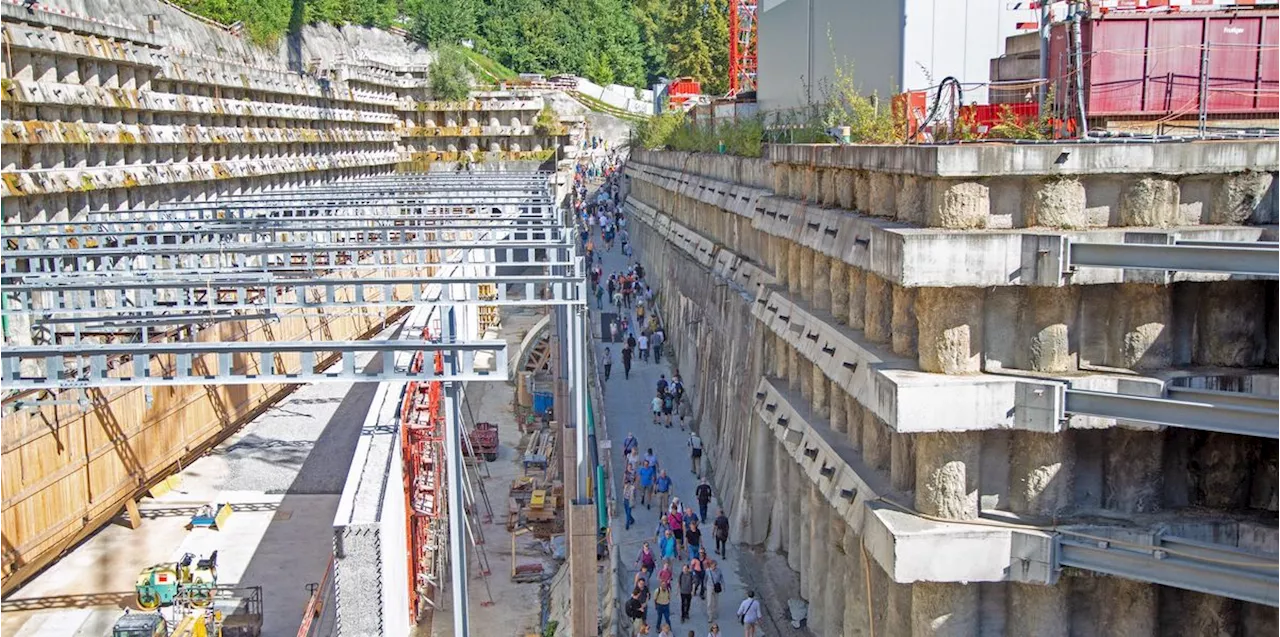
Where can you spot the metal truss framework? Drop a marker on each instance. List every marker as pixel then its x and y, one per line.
pixel 237 363
pixel 377 243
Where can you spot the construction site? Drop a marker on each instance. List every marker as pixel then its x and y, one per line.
pixel 294 344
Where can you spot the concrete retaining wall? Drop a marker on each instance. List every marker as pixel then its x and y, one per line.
pixel 810 443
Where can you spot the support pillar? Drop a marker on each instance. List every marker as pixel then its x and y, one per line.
pixel 947 475
pixel 821 281
pixel 950 330
pixel 819 560
pixel 1040 473
pixel 903 322
pixel 1052 312
pixel 795 519
pixel 879 309
pixel 836 397
pixel 794 276
pixel 1127 607
pixel 1038 610
pixel 856 587
pixel 760 490
pixel 821 399
pixel 944 609
pixel 857 281
pixel 584 605
pixel 839 286
pixel 875 441
pixel 779 522
pixel 807 257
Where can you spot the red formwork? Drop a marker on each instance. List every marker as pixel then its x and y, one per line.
pixel 1150 64
pixel 422 452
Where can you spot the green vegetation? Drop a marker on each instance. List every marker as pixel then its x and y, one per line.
pixel 489 68
pixel 448 77
pixel 632 42
pixel 601 107
pixel 673 131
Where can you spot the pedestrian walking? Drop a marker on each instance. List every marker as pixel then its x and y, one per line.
pixel 647 473
pixel 749 613
pixel 669 406
pixel 599 298
pixel 655 343
pixel 655 405
pixel 662 603
pixel 662 486
pixel 613 331
pixel 628 495
pixel 686 592
pixel 669 546
pixel 606 361
pixel 693 537
pixel 721 532
pixel 715 586
pixel 703 495
pixel 646 561
pixel 695 451
pixel 626 363
pixel 642 342
pixel 635 612
pixel 714 631
pixel 675 523
pixel 629 444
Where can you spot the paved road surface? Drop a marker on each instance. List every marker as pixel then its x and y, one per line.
pixel 627 409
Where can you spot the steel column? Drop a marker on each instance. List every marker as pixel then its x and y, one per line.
pixel 1246 259
pixel 1207 416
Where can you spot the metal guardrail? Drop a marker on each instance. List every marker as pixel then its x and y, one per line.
pixel 1245 259
pixel 1177 562
pixel 1192 409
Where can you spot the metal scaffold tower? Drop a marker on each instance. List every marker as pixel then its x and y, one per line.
pixel 138 298
pixel 742 46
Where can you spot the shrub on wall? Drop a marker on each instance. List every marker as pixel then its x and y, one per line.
pixel 447 77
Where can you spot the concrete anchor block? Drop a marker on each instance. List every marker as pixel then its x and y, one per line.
pixel 1057 202
pixel 950 329
pixel 947 475
pixel 912 199
pixel 961 205
pixel 882 196
pixel 1149 202
pixel 1242 197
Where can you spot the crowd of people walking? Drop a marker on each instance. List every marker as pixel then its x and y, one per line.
pixel 680 561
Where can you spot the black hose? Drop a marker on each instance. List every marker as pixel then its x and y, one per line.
pixel 937 102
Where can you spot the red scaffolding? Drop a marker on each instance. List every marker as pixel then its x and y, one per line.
pixel 742 46
pixel 422 449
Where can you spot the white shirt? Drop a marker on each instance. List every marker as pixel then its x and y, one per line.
pixel 642 342
pixel 749 609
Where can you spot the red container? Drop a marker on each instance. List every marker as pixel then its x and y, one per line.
pixel 1144 64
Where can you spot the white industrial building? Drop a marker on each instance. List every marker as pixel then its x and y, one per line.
pixel 891 45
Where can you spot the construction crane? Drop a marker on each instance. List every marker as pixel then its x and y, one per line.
pixel 742 46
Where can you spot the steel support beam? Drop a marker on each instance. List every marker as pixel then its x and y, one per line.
pixel 1245 259
pixel 321 256
pixel 236 363
pixel 1181 563
pixel 1221 416
pixel 453 480
pixel 110 296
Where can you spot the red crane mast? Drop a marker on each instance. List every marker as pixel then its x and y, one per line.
pixel 742 46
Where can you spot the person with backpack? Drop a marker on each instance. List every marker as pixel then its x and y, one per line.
pixel 721 533
pixel 635 612
pixel 662 603
pixel 669 406
pixel 655 343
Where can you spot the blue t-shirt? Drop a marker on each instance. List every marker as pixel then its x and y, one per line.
pixel 646 476
pixel 668 547
pixel 663 484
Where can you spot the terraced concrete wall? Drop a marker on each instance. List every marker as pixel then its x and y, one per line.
pixel 859 376
pixel 111 108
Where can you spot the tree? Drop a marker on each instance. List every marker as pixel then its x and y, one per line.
pixel 442 22
pixel 447 76
pixel 688 53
